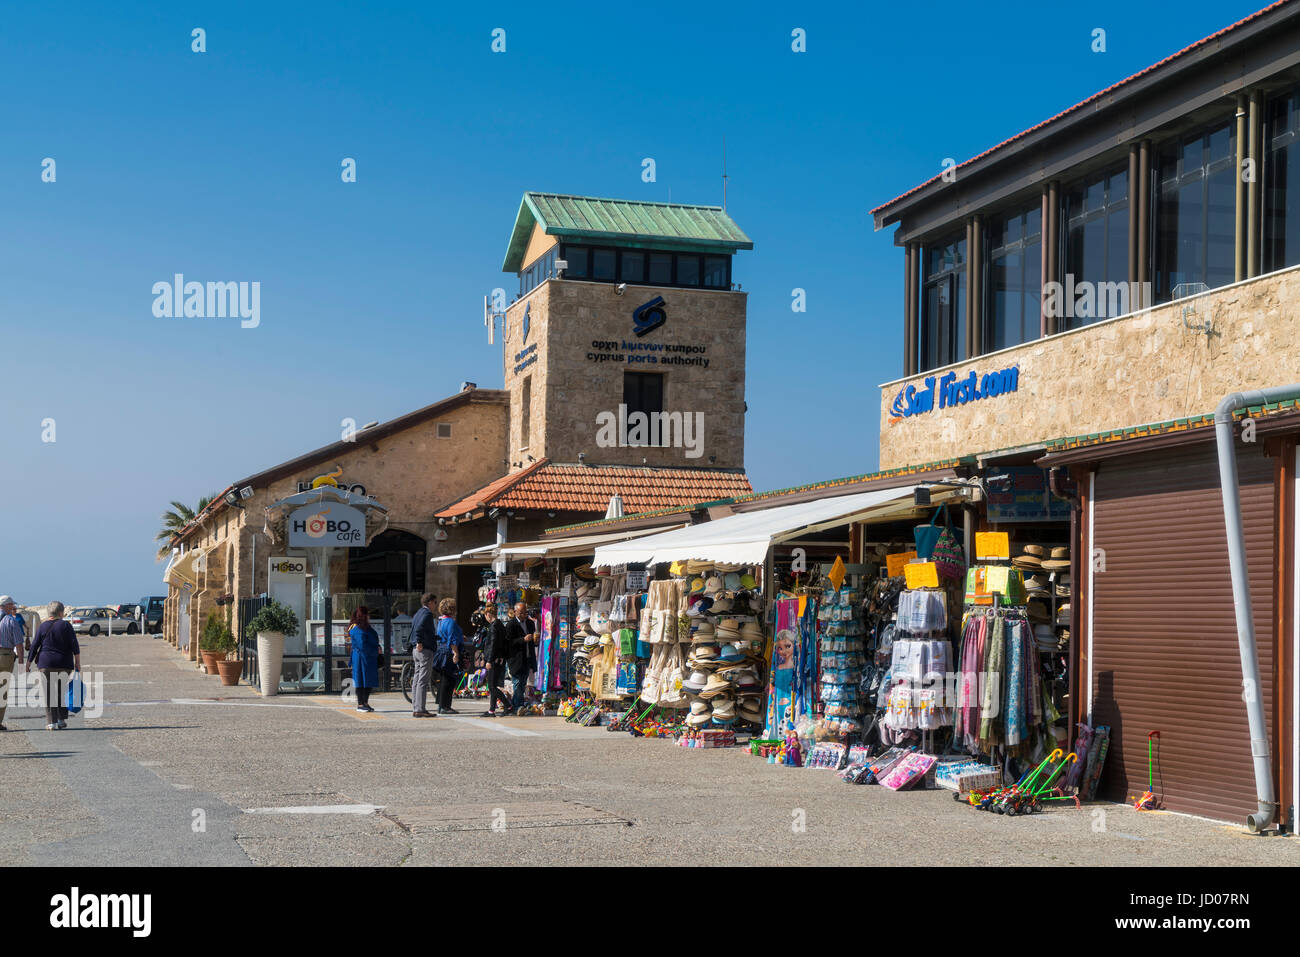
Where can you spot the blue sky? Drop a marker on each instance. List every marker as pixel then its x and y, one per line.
pixel 225 165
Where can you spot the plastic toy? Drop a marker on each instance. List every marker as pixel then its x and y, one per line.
pixel 1147 801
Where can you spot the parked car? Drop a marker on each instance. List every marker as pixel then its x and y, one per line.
pixel 95 620
pixel 153 613
pixel 133 610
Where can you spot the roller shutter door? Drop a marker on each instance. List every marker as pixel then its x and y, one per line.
pixel 1164 642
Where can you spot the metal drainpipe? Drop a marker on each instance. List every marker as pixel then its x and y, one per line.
pixel 1259 749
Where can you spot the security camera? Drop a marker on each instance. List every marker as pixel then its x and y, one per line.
pixel 620 288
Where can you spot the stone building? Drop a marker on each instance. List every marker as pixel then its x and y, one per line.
pixel 640 323
pixel 1078 300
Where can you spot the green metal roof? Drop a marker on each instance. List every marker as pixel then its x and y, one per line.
pixel 624 222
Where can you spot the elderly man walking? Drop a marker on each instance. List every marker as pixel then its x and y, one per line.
pixel 11 650
pixel 424 641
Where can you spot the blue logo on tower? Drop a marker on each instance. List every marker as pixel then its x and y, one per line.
pixel 648 316
pixel 528 322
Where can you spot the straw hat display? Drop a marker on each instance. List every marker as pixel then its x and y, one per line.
pixel 1031 558
pixel 751 631
pixel 1036 586
pixel 715 686
pixel 751 710
pixel 1060 560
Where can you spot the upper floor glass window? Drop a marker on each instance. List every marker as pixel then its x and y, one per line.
pixel 1013 305
pixel 943 304
pixel 1282 184
pixel 1095 218
pixel 617 264
pixel 1195 213
pixel 541 269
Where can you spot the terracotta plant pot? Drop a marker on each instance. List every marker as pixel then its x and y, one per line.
pixel 230 671
pixel 210 659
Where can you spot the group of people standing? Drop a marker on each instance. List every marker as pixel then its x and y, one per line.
pixel 53 649
pixel 438 645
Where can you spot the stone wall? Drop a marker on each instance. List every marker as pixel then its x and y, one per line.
pixel 1143 368
pixel 570 319
pixel 413 472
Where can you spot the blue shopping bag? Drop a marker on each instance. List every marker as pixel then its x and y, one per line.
pixel 76 693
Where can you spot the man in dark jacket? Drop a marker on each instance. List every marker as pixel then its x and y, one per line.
pixel 523 656
pixel 424 640
pixel 496 649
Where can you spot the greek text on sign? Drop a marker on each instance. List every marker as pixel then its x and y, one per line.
pixel 327 525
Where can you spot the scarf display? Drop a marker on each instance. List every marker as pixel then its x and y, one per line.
pixel 1000 701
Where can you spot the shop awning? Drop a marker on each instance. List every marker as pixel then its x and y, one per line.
pixel 744 539
pixel 575 546
pixel 181 570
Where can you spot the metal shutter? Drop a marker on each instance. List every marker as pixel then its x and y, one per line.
pixel 1164 642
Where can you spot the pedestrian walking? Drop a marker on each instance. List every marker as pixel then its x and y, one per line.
pixel 365 657
pixel 447 658
pixel 522 655
pixel 12 650
pixel 56 654
pixel 497 650
pixel 424 639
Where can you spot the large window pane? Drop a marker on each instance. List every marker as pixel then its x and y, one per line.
pixel 576 257
pixel 631 266
pixel 688 270
pixel 661 269
pixel 602 264
pixel 1281 198
pixel 715 272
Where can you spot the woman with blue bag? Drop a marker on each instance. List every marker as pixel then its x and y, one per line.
pixel 446 659
pixel 365 657
pixel 56 654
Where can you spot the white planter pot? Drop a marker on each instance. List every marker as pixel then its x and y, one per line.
pixel 270 659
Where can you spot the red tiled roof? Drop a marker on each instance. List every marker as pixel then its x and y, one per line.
pixel 1096 96
pixel 587 488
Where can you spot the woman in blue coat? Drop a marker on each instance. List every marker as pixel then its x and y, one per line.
pixel 365 657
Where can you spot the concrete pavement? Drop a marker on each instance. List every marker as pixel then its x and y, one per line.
pixel 179 769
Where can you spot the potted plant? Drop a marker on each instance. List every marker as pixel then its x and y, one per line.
pixel 229 668
pixel 210 641
pixel 269 626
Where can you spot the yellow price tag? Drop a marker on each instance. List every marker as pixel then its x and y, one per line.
pixel 992 545
pixel 894 564
pixel 922 575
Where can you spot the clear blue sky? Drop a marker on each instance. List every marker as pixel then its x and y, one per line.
pixel 225 165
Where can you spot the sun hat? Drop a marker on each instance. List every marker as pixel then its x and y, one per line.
pixel 1038 551
pixel 720 605
pixel 700 707
pixel 751 631
pixel 724 709
pixel 7 600
pixel 751 710
pixel 729 653
pixel 1036 611
pixel 1063 586
pixel 696 682
pixel 713 585
pixel 698 720
pixel 747 582
pixel 1027 560
pixel 715 686
pixel 1036 585
pixel 707 651
pixel 1060 560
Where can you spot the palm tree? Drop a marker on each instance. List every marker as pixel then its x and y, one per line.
pixel 175 519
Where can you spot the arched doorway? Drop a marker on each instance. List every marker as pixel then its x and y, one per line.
pixel 393 562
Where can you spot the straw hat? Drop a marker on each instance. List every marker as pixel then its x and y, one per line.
pixel 1036 611
pixel 1038 551
pixel 698 720
pixel 724 709
pixel 751 631
pixel 705 651
pixel 700 707
pixel 1036 585
pixel 1059 561
pixel 716 685
pixel 751 710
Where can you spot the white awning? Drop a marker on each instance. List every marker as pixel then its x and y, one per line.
pixel 574 546
pixel 744 538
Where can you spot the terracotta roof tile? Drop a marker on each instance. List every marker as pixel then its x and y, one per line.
pixel 588 488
